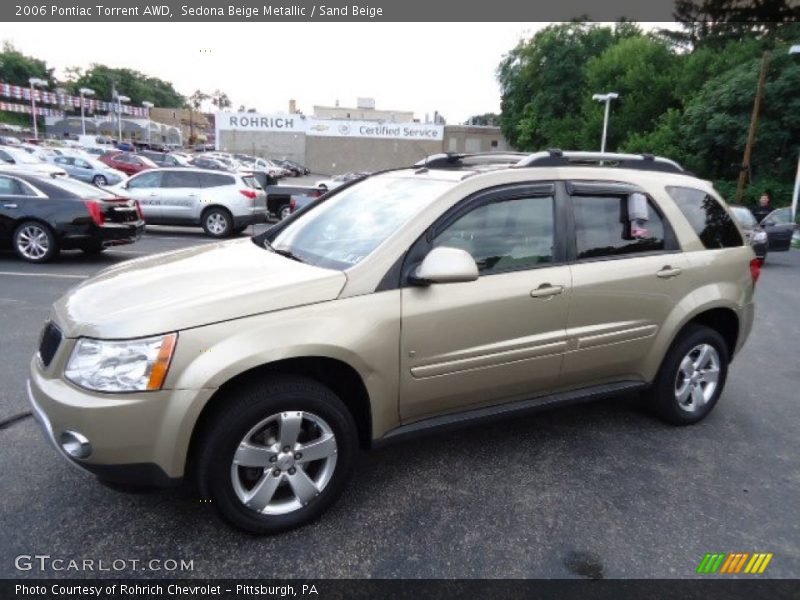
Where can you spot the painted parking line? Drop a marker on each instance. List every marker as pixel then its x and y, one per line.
pixel 55 275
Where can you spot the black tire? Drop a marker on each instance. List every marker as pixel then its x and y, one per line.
pixel 217 222
pixel 670 377
pixel 42 252
pixel 284 210
pixel 242 411
pixel 99 180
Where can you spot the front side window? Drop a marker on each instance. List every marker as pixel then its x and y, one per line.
pixel 506 235
pixel 709 219
pixel 341 231
pixel 604 228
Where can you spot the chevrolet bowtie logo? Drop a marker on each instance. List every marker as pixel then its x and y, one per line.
pixel 736 562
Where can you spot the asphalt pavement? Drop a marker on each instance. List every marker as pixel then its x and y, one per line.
pixel 599 490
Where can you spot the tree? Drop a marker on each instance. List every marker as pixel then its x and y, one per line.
pixel 220 100
pixel 195 102
pixel 17 68
pixel 485 119
pixel 137 86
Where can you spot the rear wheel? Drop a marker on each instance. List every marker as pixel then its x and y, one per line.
pixel 284 210
pixel 278 455
pixel 35 242
pixel 692 376
pixel 217 222
pixel 99 180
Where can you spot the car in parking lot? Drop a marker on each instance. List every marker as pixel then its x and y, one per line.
pixel 89 170
pixel 334 182
pixel 754 233
pixel 780 228
pixel 474 288
pixel 164 159
pixel 222 203
pixel 41 216
pixel 203 162
pixel 16 159
pixel 128 163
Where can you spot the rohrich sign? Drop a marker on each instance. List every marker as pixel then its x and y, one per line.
pixel 328 127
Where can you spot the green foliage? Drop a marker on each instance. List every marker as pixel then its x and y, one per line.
pixel 17 68
pixel 485 119
pixel 780 189
pixel 137 86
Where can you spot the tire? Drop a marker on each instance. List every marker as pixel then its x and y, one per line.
pixel 35 242
pixel 284 210
pixel 684 391
pixel 217 222
pixel 99 180
pixel 258 414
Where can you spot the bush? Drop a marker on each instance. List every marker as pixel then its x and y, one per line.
pixel 781 191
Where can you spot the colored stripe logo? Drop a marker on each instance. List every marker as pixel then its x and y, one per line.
pixel 734 562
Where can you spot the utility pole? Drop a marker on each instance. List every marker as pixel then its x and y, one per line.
pixel 751 136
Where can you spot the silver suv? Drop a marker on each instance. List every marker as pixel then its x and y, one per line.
pixel 222 203
pixel 461 289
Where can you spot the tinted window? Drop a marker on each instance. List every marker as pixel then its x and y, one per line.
pixel 505 235
pixel 11 187
pixel 145 180
pixel 181 179
pixel 213 180
pixel 80 189
pixel 602 228
pixel 711 222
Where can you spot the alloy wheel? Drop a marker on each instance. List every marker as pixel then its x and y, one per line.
pixel 216 223
pixel 33 242
pixel 697 377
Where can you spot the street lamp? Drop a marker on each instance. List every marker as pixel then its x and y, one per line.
pixel 795 50
pixel 84 92
pixel 148 106
pixel 607 98
pixel 35 81
pixel 120 100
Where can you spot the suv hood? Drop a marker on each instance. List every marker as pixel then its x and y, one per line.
pixel 191 287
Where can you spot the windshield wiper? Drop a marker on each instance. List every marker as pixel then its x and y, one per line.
pixel 282 251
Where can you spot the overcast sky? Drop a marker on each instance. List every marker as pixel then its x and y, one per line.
pixel 423 67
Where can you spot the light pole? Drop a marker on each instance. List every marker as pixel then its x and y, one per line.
pixel 35 81
pixel 84 92
pixel 795 50
pixel 607 98
pixel 120 100
pixel 148 106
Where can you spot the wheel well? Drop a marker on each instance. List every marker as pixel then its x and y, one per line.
pixel 724 321
pixel 338 376
pixel 219 206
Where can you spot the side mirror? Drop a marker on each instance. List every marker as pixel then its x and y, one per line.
pixel 446 265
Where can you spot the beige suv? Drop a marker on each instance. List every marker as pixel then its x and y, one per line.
pixel 463 288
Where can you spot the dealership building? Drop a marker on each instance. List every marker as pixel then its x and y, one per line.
pixel 338 145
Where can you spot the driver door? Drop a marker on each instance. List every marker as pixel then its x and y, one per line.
pixel 499 338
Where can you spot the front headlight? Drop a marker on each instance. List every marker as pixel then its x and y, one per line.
pixel 759 236
pixel 121 366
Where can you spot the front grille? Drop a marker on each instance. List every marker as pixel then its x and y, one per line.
pixel 51 340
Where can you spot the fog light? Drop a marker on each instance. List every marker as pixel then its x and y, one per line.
pixel 75 445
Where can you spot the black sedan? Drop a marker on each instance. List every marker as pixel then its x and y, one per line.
pixel 780 229
pixel 754 232
pixel 40 216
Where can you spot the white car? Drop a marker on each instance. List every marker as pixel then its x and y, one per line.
pixel 223 203
pixel 334 182
pixel 17 159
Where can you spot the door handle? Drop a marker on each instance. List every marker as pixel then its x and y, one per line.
pixel 668 272
pixel 10 206
pixel 192 195
pixel 547 291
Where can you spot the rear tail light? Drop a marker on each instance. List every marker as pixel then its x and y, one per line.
pixel 755 269
pixel 96 212
pixel 249 194
pixel 139 209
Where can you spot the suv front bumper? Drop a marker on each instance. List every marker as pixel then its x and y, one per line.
pixel 138 438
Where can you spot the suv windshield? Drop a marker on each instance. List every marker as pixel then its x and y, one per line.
pixel 343 230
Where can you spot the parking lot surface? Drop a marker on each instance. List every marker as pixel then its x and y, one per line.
pixel 598 490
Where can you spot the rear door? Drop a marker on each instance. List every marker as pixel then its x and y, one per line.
pixel 68 164
pixel 501 337
pixel 146 188
pixel 627 276
pixel 181 192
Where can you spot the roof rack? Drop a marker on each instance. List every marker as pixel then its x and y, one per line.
pixel 559 158
pixel 452 160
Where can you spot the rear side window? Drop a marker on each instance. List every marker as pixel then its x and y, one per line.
pixel 11 187
pixel 181 179
pixel 208 180
pixel 710 221
pixel 603 228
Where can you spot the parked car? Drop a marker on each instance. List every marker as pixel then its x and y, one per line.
pixel 296 167
pixel 221 203
pixel 463 294
pixel 213 164
pixel 164 159
pixel 752 230
pixel 41 216
pixel 779 227
pixel 334 182
pixel 89 170
pixel 16 159
pixel 128 163
pixel 10 140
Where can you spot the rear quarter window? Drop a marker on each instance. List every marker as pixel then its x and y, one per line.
pixel 709 219
pixel 209 180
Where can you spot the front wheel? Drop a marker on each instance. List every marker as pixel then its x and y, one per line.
pixel 692 376
pixel 99 180
pixel 284 211
pixel 217 222
pixel 278 455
